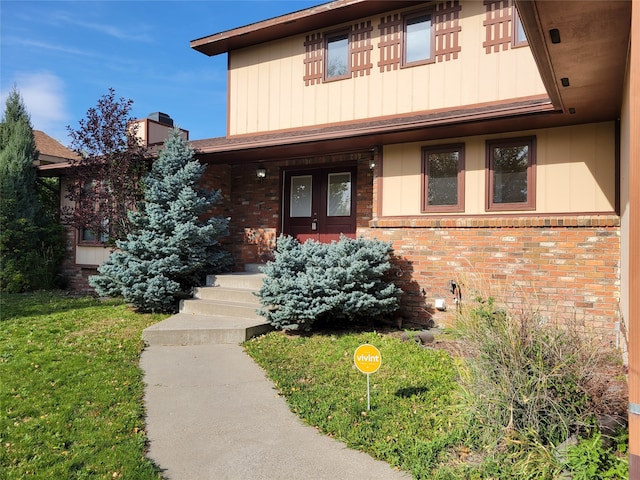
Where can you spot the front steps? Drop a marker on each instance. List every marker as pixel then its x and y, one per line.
pixel 222 312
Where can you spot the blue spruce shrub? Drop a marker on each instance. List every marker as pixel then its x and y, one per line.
pixel 170 249
pixel 328 283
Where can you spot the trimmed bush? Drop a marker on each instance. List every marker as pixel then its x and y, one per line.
pixel 327 283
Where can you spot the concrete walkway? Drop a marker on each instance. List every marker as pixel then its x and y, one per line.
pixel 213 415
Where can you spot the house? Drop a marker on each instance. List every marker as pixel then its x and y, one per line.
pixel 484 147
pixel 50 150
pixel 494 144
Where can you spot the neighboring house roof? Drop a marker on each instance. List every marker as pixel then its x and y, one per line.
pixel 51 151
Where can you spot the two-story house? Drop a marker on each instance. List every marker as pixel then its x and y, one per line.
pixel 495 143
pixel 485 147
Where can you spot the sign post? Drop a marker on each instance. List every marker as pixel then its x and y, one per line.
pixel 368 360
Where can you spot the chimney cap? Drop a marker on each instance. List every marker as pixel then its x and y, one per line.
pixel 161 118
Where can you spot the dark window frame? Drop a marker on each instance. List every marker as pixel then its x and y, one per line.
pixel 85 236
pixel 426 151
pixel 516 28
pixel 332 36
pixel 530 142
pixel 95 241
pixel 406 19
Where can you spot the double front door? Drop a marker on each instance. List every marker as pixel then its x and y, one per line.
pixel 320 204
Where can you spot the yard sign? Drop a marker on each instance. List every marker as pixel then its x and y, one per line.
pixel 368 360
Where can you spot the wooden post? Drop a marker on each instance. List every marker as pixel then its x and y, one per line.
pixel 634 243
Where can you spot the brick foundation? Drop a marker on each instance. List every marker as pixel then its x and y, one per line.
pixel 563 272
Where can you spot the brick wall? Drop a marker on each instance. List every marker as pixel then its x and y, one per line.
pixel 254 204
pixel 76 276
pixel 565 267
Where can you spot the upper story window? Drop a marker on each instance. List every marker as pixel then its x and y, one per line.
pixel 337 56
pixel 519 37
pixel 511 172
pixel 443 178
pixel 417 45
pixel 503 28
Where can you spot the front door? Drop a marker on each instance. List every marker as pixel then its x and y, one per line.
pixel 320 204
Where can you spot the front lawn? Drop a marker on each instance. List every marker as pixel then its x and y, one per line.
pixel 71 391
pixel 422 418
pixel 414 422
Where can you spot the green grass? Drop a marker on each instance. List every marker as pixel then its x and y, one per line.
pixel 414 421
pixel 71 391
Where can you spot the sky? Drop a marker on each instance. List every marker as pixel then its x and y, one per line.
pixel 64 56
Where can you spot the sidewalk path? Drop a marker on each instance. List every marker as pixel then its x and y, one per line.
pixel 213 415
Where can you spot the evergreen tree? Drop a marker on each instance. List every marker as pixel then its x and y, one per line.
pixel 17 156
pixel 31 245
pixel 331 284
pixel 169 249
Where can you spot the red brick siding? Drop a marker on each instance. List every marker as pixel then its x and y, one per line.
pixel 254 204
pixel 562 271
pixel 76 276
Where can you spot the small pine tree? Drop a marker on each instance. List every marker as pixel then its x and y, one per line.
pixel 170 249
pixel 31 244
pixel 328 283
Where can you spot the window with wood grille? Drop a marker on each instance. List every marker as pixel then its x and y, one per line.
pixel 420 37
pixel 503 27
pixel 339 54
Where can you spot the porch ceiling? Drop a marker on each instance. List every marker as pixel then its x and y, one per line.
pixel 591 53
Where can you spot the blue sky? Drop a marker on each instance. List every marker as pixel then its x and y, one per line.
pixel 63 56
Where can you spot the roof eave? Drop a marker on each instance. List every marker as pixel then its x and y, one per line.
pixel 310 19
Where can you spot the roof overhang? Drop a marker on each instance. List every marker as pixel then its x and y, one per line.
pixel 465 121
pixel 307 20
pixel 581 49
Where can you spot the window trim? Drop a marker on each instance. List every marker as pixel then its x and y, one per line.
pixel 516 22
pixel 98 241
pixel 328 37
pixel 451 147
pixel 432 53
pixel 530 204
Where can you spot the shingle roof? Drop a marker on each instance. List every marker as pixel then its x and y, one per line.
pixel 52 148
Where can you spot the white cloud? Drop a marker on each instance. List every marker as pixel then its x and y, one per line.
pixel 44 98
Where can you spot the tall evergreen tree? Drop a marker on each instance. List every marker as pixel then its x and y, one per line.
pixel 18 153
pixel 170 249
pixel 31 245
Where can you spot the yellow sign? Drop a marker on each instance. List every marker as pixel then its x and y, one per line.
pixel 367 358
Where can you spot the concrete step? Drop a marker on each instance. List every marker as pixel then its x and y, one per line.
pixel 222 312
pixel 245 280
pixel 187 329
pixel 219 308
pixel 224 294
